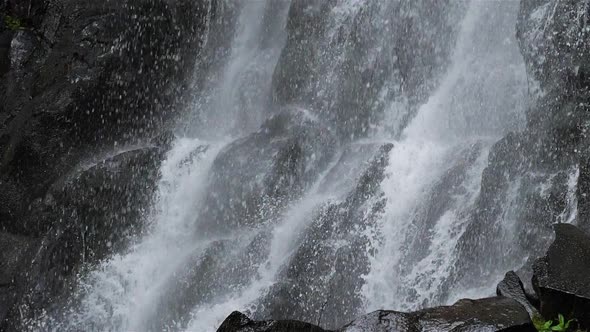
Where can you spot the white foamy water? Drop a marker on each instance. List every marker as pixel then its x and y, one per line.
pixel 121 292
pixel 285 234
pixel 235 97
pixel 429 145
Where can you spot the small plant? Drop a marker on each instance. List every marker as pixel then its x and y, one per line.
pixel 547 326
pixel 13 23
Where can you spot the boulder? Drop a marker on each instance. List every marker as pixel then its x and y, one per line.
pixel 492 314
pixel 561 277
pixel 384 321
pixel 511 287
pixel 238 322
pixel 489 314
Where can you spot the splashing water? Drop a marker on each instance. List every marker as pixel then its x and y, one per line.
pixel 432 181
pixel 400 278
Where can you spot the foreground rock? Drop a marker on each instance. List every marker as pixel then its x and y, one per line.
pixel 489 314
pixel 511 286
pixel 561 277
pixel 237 321
pixel 560 281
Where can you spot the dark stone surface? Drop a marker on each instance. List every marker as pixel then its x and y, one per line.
pixel 561 277
pixel 86 77
pixel 99 208
pixel 238 322
pixel 493 314
pixel 15 251
pixel 489 314
pixel 384 321
pixel 553 35
pixel 511 287
pixel 82 83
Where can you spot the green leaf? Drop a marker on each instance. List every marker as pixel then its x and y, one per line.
pixel 561 319
pixel 548 324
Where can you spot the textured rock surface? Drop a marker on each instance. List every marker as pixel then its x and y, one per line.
pixel 69 94
pixel 97 210
pixel 511 287
pixel 490 314
pixel 561 277
pixel 238 322
pixel 82 83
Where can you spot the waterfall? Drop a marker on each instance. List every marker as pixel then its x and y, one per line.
pixel 339 213
pixel 452 132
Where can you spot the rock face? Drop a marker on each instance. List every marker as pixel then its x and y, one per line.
pixel 95 211
pixel 264 171
pixel 561 277
pixel 536 176
pixel 85 87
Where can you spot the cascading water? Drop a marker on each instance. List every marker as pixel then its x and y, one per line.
pixel 301 219
pixel 482 94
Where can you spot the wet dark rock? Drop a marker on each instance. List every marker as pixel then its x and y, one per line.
pixel 98 209
pixel 384 321
pixel 238 322
pixel 511 287
pixel 534 177
pixel 489 314
pixel 69 94
pixel 561 277
pixel 262 172
pixel 553 37
pixel 14 253
pixel 493 314
pixel 82 83
pixel 583 194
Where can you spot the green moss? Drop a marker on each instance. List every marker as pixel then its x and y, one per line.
pixel 13 23
pixel 560 325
